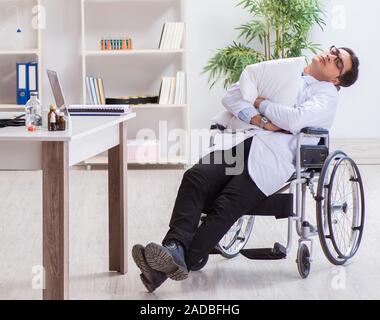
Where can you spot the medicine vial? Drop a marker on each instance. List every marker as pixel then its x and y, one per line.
pixel 52 118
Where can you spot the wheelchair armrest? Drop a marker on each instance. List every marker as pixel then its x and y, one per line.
pixel 218 127
pixel 315 131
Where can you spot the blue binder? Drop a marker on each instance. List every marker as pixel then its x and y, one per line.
pixel 22 84
pixel 27 81
pixel 33 77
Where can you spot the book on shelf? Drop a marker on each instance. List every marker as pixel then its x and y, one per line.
pixel 89 92
pixel 182 95
pixel 95 90
pixel 165 90
pixel 91 89
pixel 116 44
pixel 172 35
pixel 101 91
pixel 177 85
pixel 173 89
pixel 179 31
pixel 163 36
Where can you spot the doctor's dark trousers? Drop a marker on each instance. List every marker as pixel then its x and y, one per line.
pixel 219 186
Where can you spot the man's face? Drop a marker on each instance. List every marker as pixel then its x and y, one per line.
pixel 330 65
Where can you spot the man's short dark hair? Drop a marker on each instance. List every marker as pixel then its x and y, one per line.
pixel 350 77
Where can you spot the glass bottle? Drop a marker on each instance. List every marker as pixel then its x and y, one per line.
pixel 52 118
pixel 33 113
pixel 61 121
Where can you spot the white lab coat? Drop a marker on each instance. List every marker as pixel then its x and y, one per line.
pixel 272 156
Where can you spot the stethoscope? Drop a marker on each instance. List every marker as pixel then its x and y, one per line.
pixel 16 122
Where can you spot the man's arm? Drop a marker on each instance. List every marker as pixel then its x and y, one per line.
pixel 243 109
pixel 256 121
pixel 234 103
pixel 319 111
pixel 249 114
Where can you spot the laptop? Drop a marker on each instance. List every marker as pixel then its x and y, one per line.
pixel 82 110
pixel 58 94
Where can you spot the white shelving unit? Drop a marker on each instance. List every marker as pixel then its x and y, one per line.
pixel 131 52
pixel 160 106
pixel 138 71
pixel 19 52
pixel 17 48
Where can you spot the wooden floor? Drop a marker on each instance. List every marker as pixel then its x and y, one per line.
pixel 151 199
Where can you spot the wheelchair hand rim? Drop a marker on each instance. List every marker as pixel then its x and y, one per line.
pixel 321 208
pixel 357 230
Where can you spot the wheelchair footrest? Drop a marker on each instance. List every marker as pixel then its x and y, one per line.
pixel 278 252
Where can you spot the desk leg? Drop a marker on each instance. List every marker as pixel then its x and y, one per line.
pixel 117 204
pixel 55 166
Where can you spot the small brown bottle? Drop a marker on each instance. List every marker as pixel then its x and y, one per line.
pixel 52 118
pixel 61 121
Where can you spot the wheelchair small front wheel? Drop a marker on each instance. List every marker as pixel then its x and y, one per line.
pixel 303 261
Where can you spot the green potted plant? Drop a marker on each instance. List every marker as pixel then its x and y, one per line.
pixel 282 28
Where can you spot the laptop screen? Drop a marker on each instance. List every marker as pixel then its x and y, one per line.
pixel 57 90
pixel 58 95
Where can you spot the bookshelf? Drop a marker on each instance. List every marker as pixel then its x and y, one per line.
pixel 138 71
pixel 17 47
pixel 20 52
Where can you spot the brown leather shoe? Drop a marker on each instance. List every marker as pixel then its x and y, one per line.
pixel 151 278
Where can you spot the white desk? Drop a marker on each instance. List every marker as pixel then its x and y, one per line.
pixel 54 153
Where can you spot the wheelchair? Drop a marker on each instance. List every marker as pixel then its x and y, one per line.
pixel 335 184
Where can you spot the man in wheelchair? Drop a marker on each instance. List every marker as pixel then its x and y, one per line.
pixel 263 160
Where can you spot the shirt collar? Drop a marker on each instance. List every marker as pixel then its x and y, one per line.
pixel 309 80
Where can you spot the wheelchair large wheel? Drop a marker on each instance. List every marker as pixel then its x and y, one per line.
pixel 340 208
pixel 236 238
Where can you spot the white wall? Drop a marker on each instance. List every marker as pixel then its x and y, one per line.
pixel 352 23
pixel 211 25
pixel 61 42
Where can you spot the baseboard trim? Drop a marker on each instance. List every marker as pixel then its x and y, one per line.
pixel 363 151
